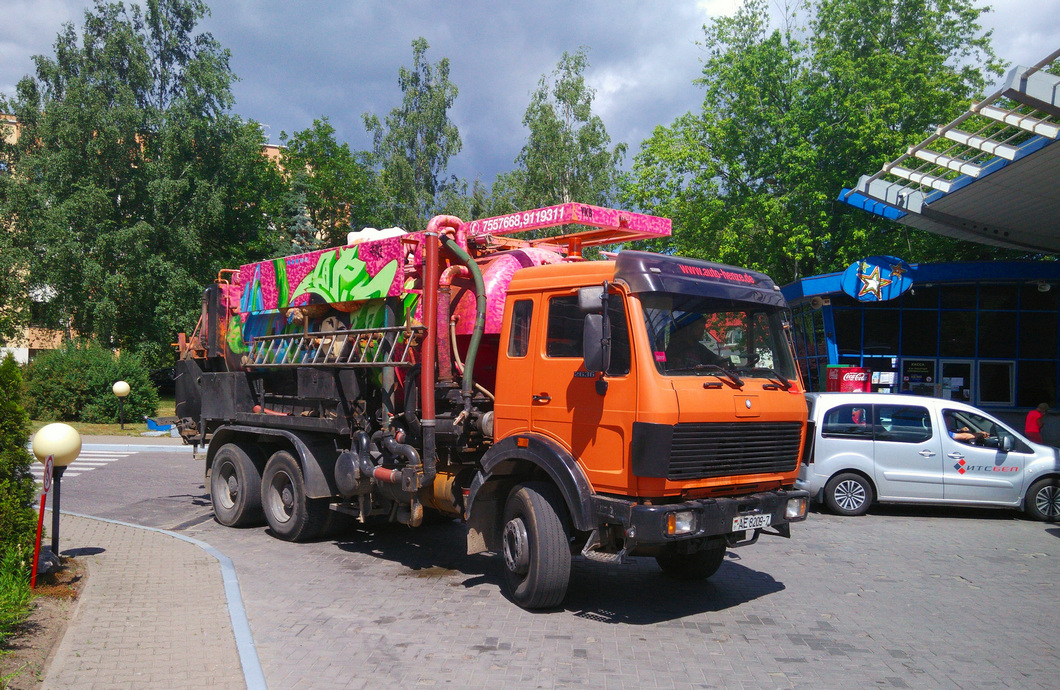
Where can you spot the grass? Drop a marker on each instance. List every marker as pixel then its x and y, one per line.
pixel 166 408
pixel 15 595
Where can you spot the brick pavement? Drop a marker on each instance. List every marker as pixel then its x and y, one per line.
pixel 153 613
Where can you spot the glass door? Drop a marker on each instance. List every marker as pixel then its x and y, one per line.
pixel 956 379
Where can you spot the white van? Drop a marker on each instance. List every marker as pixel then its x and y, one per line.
pixel 868 447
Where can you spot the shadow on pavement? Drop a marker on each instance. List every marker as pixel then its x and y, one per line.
pixel 83 551
pixel 636 593
pixel 925 511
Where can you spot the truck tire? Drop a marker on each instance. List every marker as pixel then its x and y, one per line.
pixel 848 494
pixel 536 546
pixel 235 487
pixel 290 514
pixel 1043 500
pixel 691 566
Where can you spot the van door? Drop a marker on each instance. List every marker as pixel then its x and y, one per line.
pixel 908 453
pixel 567 405
pixel 979 471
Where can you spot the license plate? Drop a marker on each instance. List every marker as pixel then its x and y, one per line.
pixel 744 522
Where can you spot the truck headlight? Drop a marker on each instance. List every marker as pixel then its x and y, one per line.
pixel 797 508
pixel 679 522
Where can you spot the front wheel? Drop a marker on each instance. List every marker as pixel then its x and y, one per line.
pixel 290 514
pixel 848 494
pixel 536 546
pixel 1043 500
pixel 235 487
pixel 691 566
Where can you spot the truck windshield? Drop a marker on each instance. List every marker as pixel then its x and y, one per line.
pixel 706 336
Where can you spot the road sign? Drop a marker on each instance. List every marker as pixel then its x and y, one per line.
pixel 49 462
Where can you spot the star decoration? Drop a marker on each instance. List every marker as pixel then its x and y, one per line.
pixel 872 283
pixel 897 271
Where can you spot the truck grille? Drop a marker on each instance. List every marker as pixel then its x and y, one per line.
pixel 703 450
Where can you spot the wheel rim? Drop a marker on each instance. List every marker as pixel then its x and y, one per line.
pixel 516 547
pixel 281 497
pixel 1047 501
pixel 849 494
pixel 229 485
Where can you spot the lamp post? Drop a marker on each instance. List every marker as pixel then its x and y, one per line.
pixel 63 443
pixel 121 389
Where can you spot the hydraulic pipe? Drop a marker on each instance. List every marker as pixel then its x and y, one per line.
pixel 467 383
pixel 445 295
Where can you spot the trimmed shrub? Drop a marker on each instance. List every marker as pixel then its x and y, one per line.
pixel 74 383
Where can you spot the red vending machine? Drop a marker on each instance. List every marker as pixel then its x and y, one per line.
pixel 842 379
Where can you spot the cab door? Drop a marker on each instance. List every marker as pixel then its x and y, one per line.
pixel 981 471
pixel 568 403
pixel 908 452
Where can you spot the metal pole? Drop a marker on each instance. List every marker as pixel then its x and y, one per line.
pixel 121 412
pixel 57 474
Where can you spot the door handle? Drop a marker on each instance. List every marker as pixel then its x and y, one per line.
pixel 927 453
pixel 955 455
pixel 543 398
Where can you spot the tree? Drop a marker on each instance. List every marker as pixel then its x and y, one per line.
pixel 338 187
pixel 566 156
pixel 790 116
pixel 16 482
pixel 415 143
pixel 130 184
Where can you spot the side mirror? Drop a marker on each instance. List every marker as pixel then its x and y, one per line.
pixel 1007 443
pixel 591 300
pixel 596 342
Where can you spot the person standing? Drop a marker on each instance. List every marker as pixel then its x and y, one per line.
pixel 1035 422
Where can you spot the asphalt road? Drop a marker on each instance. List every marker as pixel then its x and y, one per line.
pixel 939 598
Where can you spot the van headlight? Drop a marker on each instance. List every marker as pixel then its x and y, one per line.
pixel 797 508
pixel 679 522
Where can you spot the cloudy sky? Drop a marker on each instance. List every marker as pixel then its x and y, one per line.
pixel 300 60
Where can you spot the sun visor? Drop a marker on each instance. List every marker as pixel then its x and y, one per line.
pixel 647 272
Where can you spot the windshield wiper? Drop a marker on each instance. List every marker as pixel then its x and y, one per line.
pixel 770 373
pixel 722 373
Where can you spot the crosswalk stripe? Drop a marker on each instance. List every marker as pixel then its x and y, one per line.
pixel 85 462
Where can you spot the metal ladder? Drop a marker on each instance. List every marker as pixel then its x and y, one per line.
pixel 361 348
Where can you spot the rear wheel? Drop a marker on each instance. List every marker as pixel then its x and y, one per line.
pixel 235 487
pixel 848 494
pixel 536 546
pixel 1043 500
pixel 691 566
pixel 290 514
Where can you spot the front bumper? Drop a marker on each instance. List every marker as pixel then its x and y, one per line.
pixel 712 517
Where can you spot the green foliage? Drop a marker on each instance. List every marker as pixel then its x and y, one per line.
pixel 567 155
pixel 415 143
pixel 130 185
pixel 792 116
pixel 74 383
pixel 337 187
pixel 17 523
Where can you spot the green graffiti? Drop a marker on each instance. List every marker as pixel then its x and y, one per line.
pixel 235 336
pixel 342 277
pixel 279 268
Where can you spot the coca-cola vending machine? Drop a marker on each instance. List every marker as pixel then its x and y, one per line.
pixel 849 380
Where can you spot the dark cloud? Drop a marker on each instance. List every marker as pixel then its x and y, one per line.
pixel 302 60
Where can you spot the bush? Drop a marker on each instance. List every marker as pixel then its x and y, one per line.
pixel 74 383
pixel 17 523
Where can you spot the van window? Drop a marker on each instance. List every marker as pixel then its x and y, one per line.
pixel 903 423
pixel 848 421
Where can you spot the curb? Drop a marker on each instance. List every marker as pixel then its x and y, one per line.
pixel 135 447
pixel 248 653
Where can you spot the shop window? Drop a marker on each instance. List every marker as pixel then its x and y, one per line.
pixel 995 383
pixel 918 297
pixel 997 334
pixel 957 334
pixel 959 297
pixel 920 333
pixel 1038 335
pixel 1033 298
pixel 847 330
pixel 1036 383
pixel 999 297
pixel 881 332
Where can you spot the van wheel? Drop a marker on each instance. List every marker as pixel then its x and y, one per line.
pixel 536 546
pixel 1043 500
pixel 848 494
pixel 290 514
pixel 691 566
pixel 235 487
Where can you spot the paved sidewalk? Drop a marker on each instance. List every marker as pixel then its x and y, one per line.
pixel 153 613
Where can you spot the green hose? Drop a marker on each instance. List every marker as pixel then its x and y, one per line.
pixel 467 384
